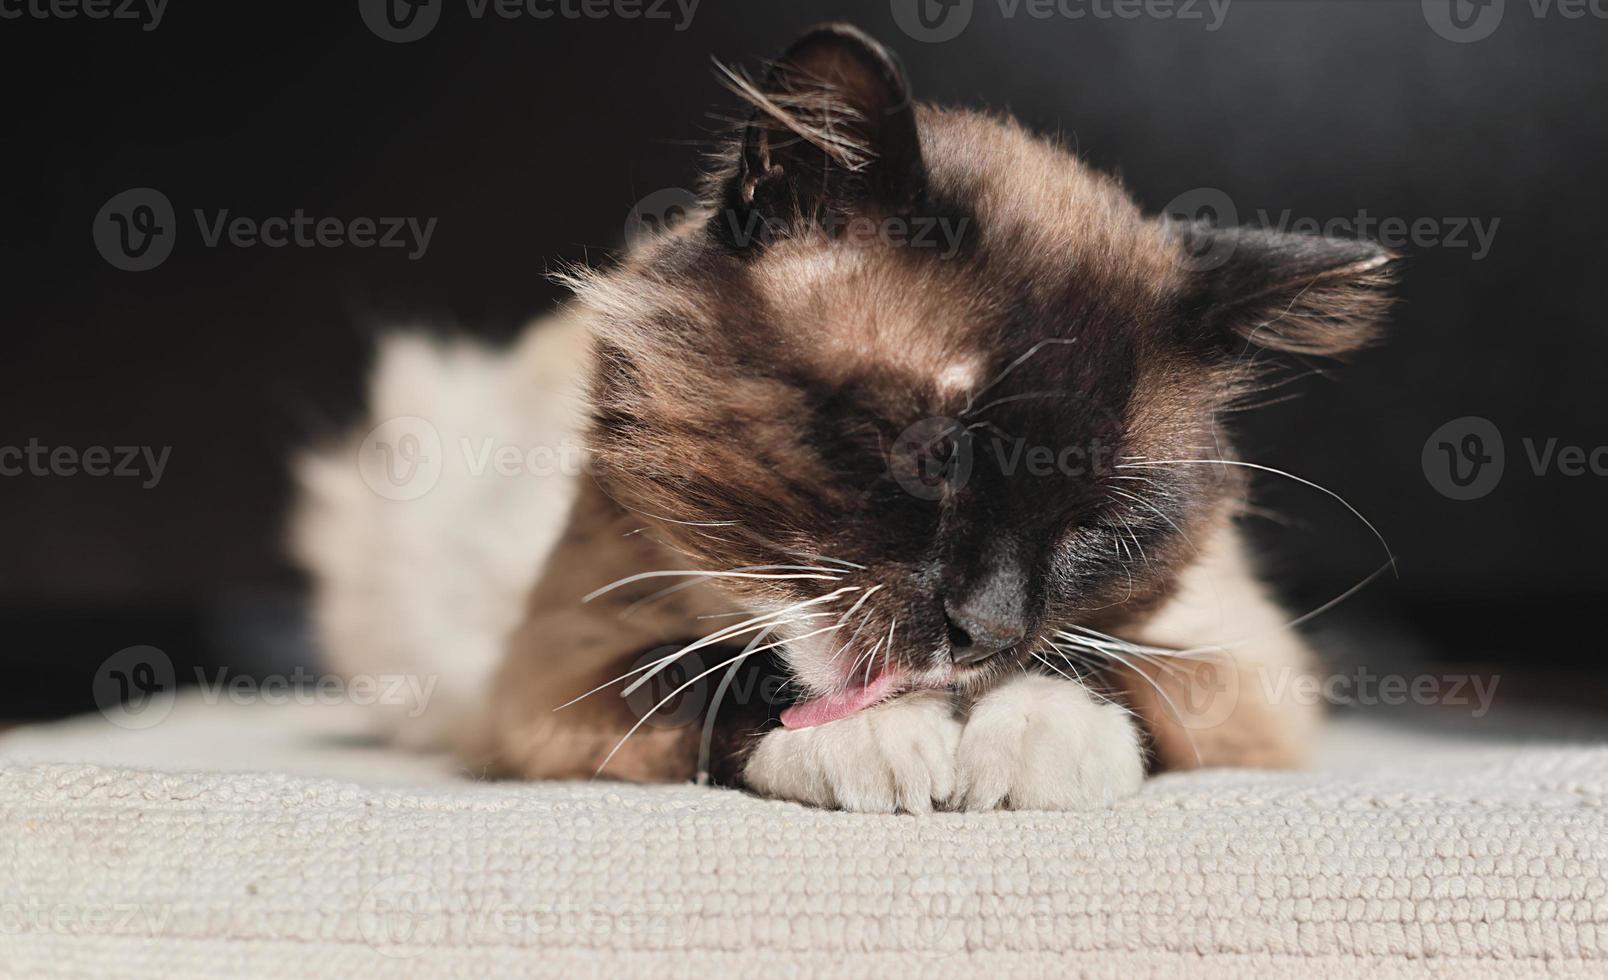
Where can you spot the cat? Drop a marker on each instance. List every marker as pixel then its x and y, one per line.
pixel 911 526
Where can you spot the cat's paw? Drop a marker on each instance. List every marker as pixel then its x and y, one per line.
pixel 1040 743
pixel 898 756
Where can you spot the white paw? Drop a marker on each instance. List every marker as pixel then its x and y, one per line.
pixel 1041 743
pixel 895 756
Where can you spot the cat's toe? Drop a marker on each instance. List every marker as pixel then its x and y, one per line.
pixel 899 756
pixel 1038 743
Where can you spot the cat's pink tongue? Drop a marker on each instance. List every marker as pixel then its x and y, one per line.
pixel 831 707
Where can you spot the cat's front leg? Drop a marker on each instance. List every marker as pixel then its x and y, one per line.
pixel 1045 743
pixel 897 756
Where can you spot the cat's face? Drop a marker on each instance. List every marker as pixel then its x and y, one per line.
pixel 931 385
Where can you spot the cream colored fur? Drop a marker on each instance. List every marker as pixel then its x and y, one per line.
pixel 432 586
pixel 1030 743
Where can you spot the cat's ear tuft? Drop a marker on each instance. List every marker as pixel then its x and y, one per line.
pixel 833 129
pixel 1304 294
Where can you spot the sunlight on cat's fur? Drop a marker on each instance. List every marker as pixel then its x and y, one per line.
pixel 804 436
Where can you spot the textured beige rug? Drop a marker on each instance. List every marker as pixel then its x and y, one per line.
pixel 258 841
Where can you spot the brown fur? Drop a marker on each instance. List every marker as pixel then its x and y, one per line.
pixel 747 390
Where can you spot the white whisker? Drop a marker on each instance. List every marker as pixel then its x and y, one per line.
pixel 1041 659
pixel 1152 508
pixel 1297 621
pixel 1172 708
pixel 656 665
pixel 730 631
pixel 1135 539
pixel 861 601
pixel 1025 396
pixel 834 561
pixel 698 580
pixel 703 574
pixel 1227 645
pixel 733 661
pixel 1277 472
pixel 864 622
pixel 773 619
pixel 972 400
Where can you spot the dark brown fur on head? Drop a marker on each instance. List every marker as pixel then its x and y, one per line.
pixel 845 359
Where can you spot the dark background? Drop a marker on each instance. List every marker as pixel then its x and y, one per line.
pixel 530 140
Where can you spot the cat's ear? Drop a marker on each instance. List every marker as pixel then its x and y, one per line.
pixel 833 130
pixel 1304 294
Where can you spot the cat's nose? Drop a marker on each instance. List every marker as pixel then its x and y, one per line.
pixel 976 634
pixel 987 602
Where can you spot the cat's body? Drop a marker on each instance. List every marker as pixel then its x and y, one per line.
pixel 966 504
pixel 451 587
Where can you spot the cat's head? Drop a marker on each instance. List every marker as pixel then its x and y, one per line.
pixel 928 380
